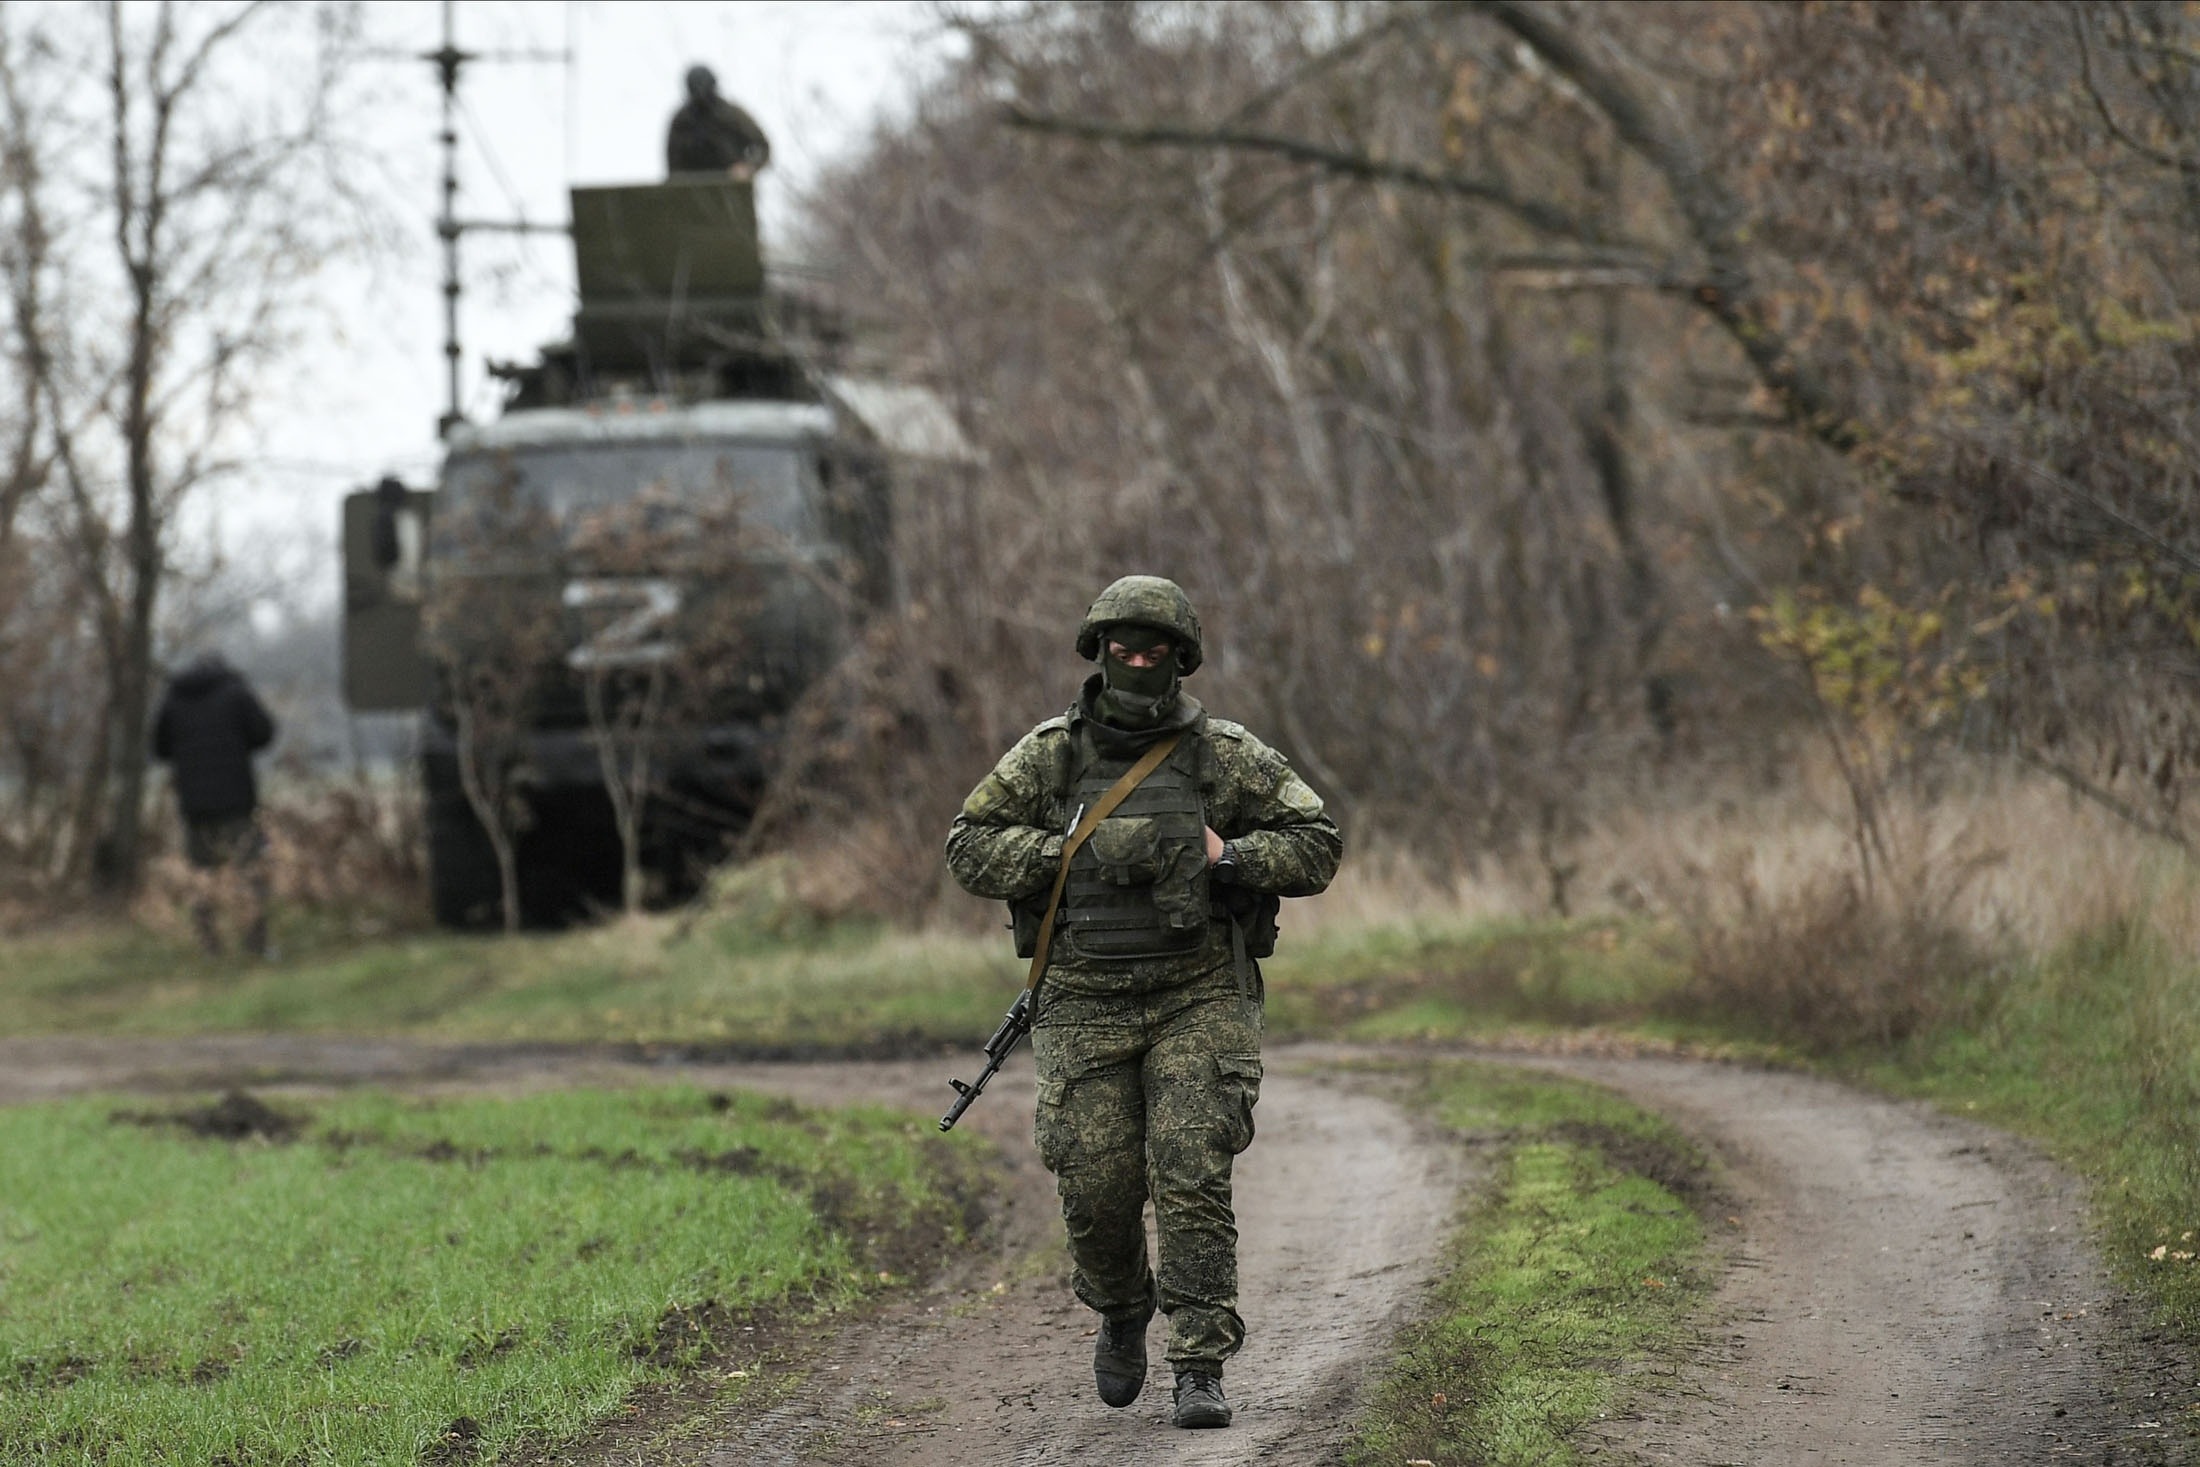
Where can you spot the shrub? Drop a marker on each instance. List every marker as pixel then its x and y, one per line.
pixel 1828 965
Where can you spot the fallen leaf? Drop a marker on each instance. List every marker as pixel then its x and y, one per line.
pixel 2160 1253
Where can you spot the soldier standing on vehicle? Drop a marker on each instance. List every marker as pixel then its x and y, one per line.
pixel 1147 1036
pixel 209 726
pixel 712 135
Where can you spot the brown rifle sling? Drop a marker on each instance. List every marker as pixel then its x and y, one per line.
pixel 1116 795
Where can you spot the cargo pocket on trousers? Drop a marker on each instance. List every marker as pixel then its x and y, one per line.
pixel 1049 1128
pixel 1240 1079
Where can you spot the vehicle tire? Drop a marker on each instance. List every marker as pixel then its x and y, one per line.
pixel 463 888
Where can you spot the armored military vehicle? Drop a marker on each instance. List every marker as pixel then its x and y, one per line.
pixel 680 401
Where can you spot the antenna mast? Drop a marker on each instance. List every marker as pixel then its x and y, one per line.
pixel 448 62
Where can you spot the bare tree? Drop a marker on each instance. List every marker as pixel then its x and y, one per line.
pixel 1306 391
pixel 1483 368
pixel 494 628
pixel 163 240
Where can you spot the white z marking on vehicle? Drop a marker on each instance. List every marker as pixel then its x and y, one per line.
pixel 624 641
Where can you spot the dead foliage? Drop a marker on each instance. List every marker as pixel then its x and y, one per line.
pixel 1540 400
pixel 1827 966
pixel 353 849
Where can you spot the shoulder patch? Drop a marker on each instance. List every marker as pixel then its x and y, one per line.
pixel 1223 728
pixel 1297 796
pixel 988 800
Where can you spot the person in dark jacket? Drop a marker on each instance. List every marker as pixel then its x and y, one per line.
pixel 209 726
pixel 710 134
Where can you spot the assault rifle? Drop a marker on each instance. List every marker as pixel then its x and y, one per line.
pixel 997 1050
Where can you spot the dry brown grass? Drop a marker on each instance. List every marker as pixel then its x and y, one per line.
pixel 352 848
pixel 1382 885
pixel 1828 964
pixel 1790 938
pixel 1985 868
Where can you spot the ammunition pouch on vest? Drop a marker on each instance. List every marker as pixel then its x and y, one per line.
pixel 1254 912
pixel 1025 914
pixel 1138 887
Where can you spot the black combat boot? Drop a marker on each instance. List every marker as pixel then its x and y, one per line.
pixel 1199 1400
pixel 1119 1357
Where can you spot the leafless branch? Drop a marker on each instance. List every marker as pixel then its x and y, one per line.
pixel 2130 814
pixel 2115 128
pixel 1715 218
pixel 1533 212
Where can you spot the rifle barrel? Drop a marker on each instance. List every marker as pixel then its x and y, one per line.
pixel 1014 1027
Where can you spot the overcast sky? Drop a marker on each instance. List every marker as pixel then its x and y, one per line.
pixel 818 75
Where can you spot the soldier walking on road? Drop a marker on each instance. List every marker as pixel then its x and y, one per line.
pixel 209 726
pixel 1147 1036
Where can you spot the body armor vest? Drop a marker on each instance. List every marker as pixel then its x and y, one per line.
pixel 1138 886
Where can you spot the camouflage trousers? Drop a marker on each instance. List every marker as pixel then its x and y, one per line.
pixel 223 850
pixel 1151 1097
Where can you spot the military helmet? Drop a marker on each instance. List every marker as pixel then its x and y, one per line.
pixel 1146 601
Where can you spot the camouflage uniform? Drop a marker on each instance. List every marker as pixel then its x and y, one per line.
pixel 1149 1069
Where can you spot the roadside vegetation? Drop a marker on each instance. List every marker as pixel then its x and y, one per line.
pixel 1582 1258
pixel 765 976
pixel 367 1279
pixel 2094 1049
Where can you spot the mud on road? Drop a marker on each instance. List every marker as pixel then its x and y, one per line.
pixel 1900 1287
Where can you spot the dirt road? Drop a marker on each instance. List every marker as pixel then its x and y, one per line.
pixel 1904 1288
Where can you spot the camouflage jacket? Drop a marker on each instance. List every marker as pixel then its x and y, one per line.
pixel 1007 841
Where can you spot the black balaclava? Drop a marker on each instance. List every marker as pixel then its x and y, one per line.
pixel 1136 697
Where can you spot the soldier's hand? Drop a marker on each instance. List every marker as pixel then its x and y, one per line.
pixel 1214 845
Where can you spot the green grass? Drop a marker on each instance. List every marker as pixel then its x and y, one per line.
pixel 505 1269
pixel 763 978
pixel 1583 1257
pixel 728 981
